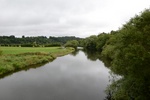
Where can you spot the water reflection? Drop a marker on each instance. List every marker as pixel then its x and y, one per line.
pixel 130 84
pixel 75 52
pixel 72 77
pixel 92 55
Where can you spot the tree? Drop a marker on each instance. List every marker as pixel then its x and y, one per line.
pixel 129 51
pixel 40 40
pixel 90 43
pixel 73 43
pixel 101 41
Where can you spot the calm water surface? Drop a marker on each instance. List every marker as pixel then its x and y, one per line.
pixel 66 78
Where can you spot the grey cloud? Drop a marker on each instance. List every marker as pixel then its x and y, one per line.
pixel 63 17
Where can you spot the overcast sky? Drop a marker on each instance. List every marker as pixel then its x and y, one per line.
pixel 80 18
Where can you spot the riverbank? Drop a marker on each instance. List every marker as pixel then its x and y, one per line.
pixel 17 58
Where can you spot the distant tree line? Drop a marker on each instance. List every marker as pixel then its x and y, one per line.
pixel 35 41
pixel 127 51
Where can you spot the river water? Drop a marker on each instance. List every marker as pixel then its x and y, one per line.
pixel 71 77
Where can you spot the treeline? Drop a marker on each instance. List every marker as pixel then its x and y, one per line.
pixel 128 52
pixel 35 41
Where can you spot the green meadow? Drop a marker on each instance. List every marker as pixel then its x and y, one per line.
pixel 18 50
pixel 17 58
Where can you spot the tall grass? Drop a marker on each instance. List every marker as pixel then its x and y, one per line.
pixel 1 52
pixel 9 63
pixel 12 62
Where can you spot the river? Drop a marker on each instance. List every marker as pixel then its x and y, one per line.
pixel 71 77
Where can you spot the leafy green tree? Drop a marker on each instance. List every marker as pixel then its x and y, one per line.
pixel 81 42
pixel 40 40
pixel 73 43
pixel 101 41
pixel 90 43
pixel 129 51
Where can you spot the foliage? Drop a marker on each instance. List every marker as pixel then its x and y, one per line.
pixel 96 43
pixel 128 51
pixel 73 43
pixel 34 41
pixel 52 45
pixel 101 40
pixel 131 56
pixel 90 43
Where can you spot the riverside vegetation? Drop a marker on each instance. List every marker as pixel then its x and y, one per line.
pixel 127 53
pixel 16 58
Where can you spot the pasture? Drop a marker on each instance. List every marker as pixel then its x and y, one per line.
pixel 18 50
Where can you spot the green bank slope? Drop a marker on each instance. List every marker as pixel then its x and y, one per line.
pixel 17 58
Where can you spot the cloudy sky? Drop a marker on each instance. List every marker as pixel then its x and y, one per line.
pixel 80 18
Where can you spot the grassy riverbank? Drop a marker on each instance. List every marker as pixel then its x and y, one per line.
pixel 16 58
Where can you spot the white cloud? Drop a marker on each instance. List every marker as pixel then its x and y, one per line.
pixel 66 17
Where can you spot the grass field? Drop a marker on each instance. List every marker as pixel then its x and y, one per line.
pixel 17 58
pixel 18 50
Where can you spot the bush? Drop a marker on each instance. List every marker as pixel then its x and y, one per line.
pixel 72 43
pixel 26 45
pixel 53 45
